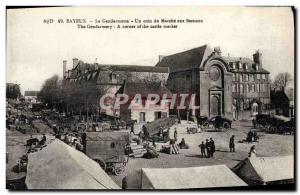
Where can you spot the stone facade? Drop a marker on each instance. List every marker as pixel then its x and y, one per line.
pixel 221 83
pixel 110 78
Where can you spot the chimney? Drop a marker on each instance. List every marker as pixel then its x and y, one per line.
pixel 75 62
pixel 64 68
pixel 217 50
pixel 160 58
pixel 257 58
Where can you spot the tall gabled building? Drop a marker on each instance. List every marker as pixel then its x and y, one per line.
pixel 223 85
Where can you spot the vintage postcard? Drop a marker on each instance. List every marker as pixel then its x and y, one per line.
pixel 150 98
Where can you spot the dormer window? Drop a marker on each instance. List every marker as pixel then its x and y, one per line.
pixel 113 77
pixel 240 65
pixel 233 65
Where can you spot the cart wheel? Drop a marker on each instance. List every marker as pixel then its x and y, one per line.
pixel 101 163
pixel 226 125
pixel 272 129
pixel 205 124
pixel 119 169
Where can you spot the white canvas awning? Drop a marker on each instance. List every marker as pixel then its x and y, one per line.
pixel 59 166
pixel 191 177
pixel 266 169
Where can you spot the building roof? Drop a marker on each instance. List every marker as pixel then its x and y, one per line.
pixel 131 89
pixel 59 166
pixel 31 93
pixel 190 177
pixel 134 68
pixel 266 169
pixel 194 58
pixel 79 72
pixel 250 63
pixel 184 60
pixel 107 136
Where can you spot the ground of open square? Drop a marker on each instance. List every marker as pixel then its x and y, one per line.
pixel 268 145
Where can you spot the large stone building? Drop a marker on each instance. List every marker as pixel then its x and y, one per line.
pixel 232 87
pixel 110 78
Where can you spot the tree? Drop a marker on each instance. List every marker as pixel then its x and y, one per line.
pixel 290 93
pixel 282 80
pixel 13 91
pixel 51 92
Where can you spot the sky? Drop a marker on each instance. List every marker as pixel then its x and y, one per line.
pixel 35 50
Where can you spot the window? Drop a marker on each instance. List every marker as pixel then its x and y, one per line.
pixel 258 77
pixel 246 77
pixel 233 87
pixel 266 87
pixel 251 77
pixel 254 108
pixel 247 88
pixel 257 87
pixel 241 77
pixel 233 65
pixel 252 88
pixel 241 88
pixel 235 77
pixel 113 77
pixel 240 65
pixel 263 77
pixel 142 116
pixel 246 66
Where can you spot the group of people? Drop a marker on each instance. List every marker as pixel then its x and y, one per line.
pixel 252 137
pixel 208 148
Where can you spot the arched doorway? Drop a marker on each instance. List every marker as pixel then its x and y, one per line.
pixel 254 109
pixel 215 108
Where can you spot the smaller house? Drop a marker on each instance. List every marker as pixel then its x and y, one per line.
pixel 136 108
pixel 266 170
pixel 280 102
pixel 31 96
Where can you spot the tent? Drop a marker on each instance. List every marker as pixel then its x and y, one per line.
pixel 264 170
pixel 190 177
pixel 59 166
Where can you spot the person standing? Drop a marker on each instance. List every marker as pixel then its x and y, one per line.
pixel 207 146
pixel 250 136
pixel 231 144
pixel 212 147
pixel 175 135
pixel 202 147
pixel 252 152
pixel 132 129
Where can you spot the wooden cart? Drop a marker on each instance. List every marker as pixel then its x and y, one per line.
pixel 108 149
